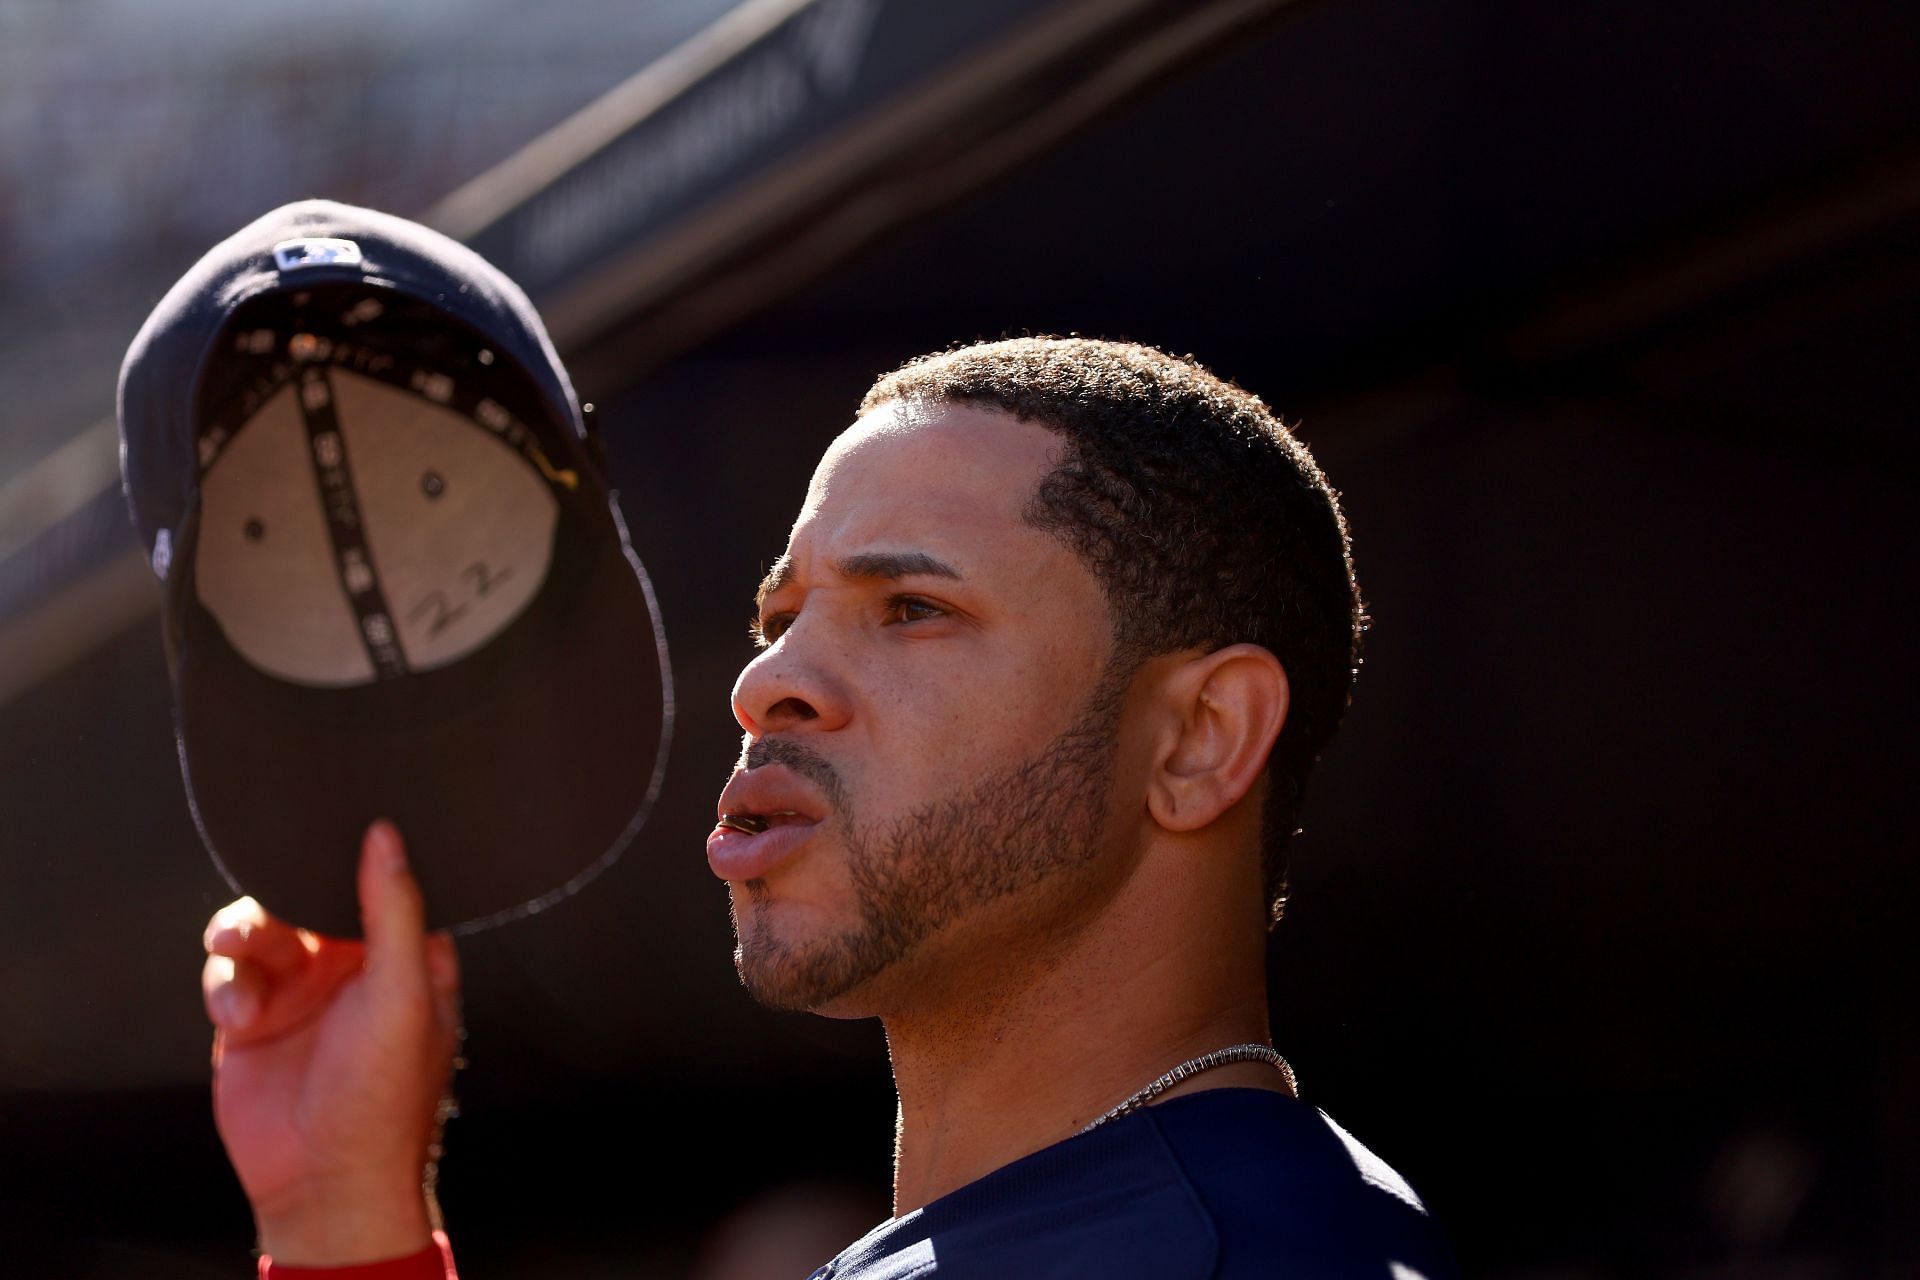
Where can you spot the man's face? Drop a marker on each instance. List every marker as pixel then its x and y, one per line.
pixel 930 732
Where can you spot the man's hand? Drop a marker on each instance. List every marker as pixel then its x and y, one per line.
pixel 330 1061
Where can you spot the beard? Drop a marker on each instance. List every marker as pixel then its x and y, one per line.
pixel 1011 832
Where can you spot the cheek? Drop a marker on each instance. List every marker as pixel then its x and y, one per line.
pixel 941 732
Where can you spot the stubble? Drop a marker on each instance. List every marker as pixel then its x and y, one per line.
pixel 1010 833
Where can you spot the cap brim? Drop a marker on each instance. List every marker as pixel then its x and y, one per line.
pixel 514 776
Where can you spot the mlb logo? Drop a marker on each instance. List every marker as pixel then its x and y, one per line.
pixel 292 255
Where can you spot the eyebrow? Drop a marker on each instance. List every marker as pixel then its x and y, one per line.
pixel 872 566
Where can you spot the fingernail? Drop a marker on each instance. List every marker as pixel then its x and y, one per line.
pixel 384 846
pixel 235 1006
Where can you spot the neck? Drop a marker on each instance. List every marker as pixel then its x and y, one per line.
pixel 1027 1055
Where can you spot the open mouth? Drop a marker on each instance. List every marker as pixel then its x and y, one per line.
pixel 754 823
pixel 766 817
pixel 746 846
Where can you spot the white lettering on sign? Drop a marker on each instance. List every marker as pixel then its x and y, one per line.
pixel 701 135
pixel 832 37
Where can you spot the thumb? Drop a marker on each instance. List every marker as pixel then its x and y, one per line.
pixel 392 914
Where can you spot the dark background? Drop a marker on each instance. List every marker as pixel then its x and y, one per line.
pixel 1603 319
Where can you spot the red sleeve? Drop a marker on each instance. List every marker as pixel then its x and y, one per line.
pixel 435 1262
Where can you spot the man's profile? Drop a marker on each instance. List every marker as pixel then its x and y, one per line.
pixel 1057 635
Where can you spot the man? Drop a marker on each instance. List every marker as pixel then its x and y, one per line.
pixel 1059 631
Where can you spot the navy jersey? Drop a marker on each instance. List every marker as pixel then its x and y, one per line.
pixel 1218 1185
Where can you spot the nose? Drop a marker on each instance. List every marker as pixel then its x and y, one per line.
pixel 792 684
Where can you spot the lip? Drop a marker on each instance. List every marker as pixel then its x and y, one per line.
pixel 771 789
pixel 735 855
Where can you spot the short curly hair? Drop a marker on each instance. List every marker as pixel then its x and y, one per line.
pixel 1204 520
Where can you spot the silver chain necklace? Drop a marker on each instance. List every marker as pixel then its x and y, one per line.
pixel 1194 1066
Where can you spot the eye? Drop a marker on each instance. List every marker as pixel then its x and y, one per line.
pixel 769 628
pixel 912 609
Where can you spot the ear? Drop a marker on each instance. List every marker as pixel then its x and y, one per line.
pixel 1228 707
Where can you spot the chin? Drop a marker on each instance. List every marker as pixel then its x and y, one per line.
pixel 779 979
pixel 785 969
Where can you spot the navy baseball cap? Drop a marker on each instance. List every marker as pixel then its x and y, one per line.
pixel 396 583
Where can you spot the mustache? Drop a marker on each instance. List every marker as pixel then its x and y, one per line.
pixel 800 758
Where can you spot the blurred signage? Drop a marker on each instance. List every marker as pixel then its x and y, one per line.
pixel 800 81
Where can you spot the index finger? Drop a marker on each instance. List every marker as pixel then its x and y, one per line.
pixel 242 930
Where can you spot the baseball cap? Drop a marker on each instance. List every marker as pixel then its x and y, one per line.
pixel 395 581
